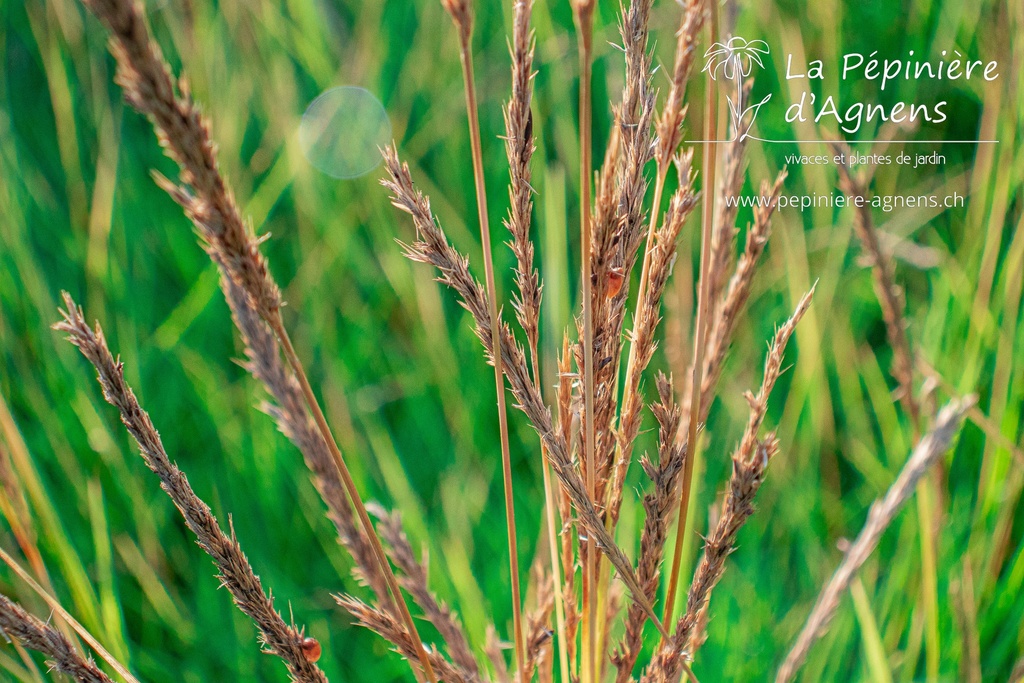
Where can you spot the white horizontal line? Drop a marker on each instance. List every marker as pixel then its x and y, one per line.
pixel 859 142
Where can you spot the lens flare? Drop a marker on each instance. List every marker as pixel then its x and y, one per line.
pixel 342 131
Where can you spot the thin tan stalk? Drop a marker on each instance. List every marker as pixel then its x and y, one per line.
pixel 19 625
pixel 728 297
pixel 565 431
pixel 559 605
pixel 700 330
pixel 519 144
pixel 461 14
pixel 881 514
pixel 583 14
pixel 235 572
pixel 208 202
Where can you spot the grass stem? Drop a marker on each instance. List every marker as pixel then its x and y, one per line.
pixel 499 378
pixel 700 328
pixel 552 528
pixel 583 11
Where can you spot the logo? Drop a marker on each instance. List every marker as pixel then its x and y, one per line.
pixel 735 60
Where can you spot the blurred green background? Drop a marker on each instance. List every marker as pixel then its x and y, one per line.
pixel 400 371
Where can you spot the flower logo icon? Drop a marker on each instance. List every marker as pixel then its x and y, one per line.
pixel 735 58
